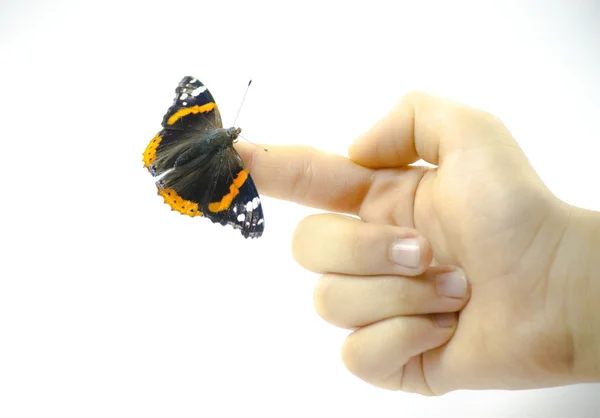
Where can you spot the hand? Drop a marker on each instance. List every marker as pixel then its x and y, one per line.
pixel 482 208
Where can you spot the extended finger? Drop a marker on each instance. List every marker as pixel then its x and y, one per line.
pixel 331 243
pixel 307 176
pixel 355 301
pixel 334 183
pixel 378 353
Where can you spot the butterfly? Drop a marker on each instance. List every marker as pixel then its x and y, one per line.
pixel 200 173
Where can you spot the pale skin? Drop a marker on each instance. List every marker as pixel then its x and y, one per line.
pixel 393 273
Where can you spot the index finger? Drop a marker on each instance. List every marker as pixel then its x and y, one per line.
pixel 307 176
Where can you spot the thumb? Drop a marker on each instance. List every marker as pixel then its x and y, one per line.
pixel 423 126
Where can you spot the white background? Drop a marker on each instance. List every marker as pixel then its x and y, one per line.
pixel 111 305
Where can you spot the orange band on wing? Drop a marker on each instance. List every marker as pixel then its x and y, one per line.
pixel 234 190
pixel 177 203
pixel 190 110
pixel 150 153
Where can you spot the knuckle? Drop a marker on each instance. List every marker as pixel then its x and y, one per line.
pixel 311 244
pixel 306 223
pixel 350 354
pixel 301 240
pixel 322 297
pixel 456 112
pixel 414 96
pixel 477 118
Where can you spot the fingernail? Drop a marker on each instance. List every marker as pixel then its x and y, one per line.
pixel 406 252
pixel 445 320
pixel 452 284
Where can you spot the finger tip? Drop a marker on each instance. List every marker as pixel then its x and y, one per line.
pixel 244 151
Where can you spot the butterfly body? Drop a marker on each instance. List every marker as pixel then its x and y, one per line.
pixel 201 173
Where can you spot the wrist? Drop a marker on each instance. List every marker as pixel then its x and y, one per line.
pixel 581 247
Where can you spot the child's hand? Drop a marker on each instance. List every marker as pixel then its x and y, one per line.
pixel 482 208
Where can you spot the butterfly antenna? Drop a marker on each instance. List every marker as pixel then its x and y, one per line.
pixel 243 99
pixel 264 149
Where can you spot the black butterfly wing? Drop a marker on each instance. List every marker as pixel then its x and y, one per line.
pixel 193 112
pixel 214 183
pixel 193 109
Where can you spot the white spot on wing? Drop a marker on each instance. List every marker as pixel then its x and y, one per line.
pixel 241 217
pixel 183 96
pixel 261 221
pixel 193 80
pixel 198 91
pixel 235 209
pixel 249 206
pixel 255 202
pixel 184 103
